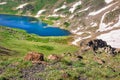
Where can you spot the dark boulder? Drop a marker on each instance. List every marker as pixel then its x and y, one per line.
pixel 98 44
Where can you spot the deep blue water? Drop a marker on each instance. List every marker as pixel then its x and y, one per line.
pixel 31 25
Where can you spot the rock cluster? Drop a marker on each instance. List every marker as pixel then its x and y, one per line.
pixel 98 45
pixel 36 57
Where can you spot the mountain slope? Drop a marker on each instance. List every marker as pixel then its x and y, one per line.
pixel 82 17
pixel 86 19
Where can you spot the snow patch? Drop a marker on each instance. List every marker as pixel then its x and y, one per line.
pixel 101 10
pixel 102 26
pixel 75 42
pixel 40 12
pixel 75 31
pixel 93 24
pixel 108 1
pixel 79 33
pixel 117 7
pixel 62 7
pixel 21 6
pixel 57 15
pixel 84 9
pixel 112 38
pixel 72 16
pixel 2 3
pixel 75 6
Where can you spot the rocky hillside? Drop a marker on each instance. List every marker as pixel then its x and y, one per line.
pixel 87 19
pixel 84 18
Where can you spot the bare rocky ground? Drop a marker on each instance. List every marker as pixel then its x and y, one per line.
pixel 28 74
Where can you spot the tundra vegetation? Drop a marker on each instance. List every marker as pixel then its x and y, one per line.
pixel 61 60
pixel 72 64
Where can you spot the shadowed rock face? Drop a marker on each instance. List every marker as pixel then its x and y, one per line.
pixel 34 56
pixel 98 44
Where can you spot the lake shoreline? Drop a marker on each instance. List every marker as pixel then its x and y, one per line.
pixel 32 25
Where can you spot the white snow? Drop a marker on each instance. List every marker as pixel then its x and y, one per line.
pixel 84 9
pixel 79 39
pixel 76 41
pixel 40 12
pixel 93 24
pixel 108 1
pixel 72 16
pixel 79 33
pixel 54 15
pixel 117 7
pixel 57 15
pixel 75 6
pixel 101 10
pixel 74 31
pixel 118 23
pixel 102 26
pixel 62 7
pixel 2 3
pixel 21 6
pixel 112 38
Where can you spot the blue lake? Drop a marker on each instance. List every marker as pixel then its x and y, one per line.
pixel 31 25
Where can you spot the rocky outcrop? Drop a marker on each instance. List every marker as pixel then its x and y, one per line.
pixel 98 45
pixel 53 57
pixel 35 57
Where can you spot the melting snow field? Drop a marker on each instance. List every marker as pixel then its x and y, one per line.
pixel 112 38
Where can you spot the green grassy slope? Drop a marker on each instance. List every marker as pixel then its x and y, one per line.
pixel 87 68
pixel 21 43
